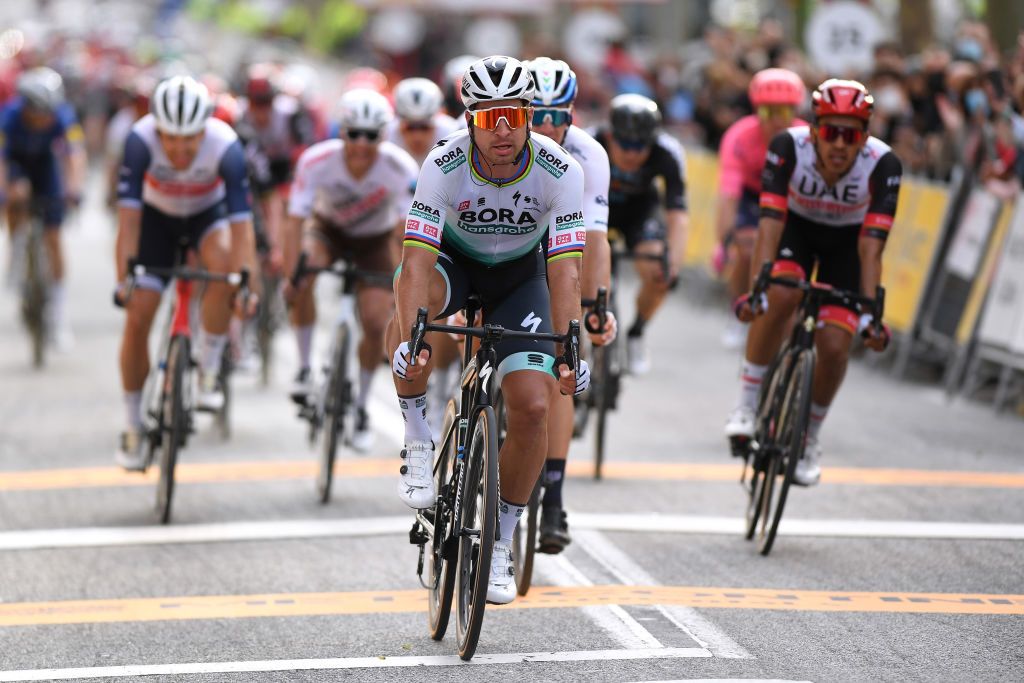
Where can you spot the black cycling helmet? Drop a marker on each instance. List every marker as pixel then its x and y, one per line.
pixel 635 118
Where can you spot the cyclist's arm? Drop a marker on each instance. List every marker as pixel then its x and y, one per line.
pixel 597 253
pixel 730 183
pixel 676 215
pixel 780 160
pixel 885 189
pixel 421 245
pixel 236 186
pixel 126 245
pixel 301 198
pixel 77 161
pixel 566 239
pixel 134 162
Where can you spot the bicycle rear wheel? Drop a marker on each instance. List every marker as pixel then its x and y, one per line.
pixel 794 414
pixel 175 423
pixel 441 561
pixel 478 527
pixel 336 402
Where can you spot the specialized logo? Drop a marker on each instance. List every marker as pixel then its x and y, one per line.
pixel 601 200
pixel 532 322
pixel 485 373
pixel 551 163
pixel 449 161
pixel 424 211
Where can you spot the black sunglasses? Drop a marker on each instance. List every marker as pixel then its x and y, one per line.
pixel 370 135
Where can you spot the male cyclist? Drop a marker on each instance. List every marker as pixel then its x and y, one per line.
pixel 183 178
pixel 553 99
pixel 828 197
pixel 39 133
pixel 485 201
pixel 775 95
pixel 351 195
pixel 640 156
pixel 419 123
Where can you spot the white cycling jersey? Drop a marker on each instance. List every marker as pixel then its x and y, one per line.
pixel 359 207
pixel 594 160
pixel 278 138
pixel 494 221
pixel 444 126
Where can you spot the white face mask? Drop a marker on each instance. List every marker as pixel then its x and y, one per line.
pixel 890 100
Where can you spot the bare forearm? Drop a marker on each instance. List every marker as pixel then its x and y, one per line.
pixel 411 291
pixel 677 223
pixel 126 246
pixel 564 286
pixel 728 207
pixel 77 166
pixel 596 264
pixel 769 232
pixel 243 245
pixel 870 251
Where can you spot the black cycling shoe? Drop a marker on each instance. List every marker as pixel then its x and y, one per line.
pixel 554 531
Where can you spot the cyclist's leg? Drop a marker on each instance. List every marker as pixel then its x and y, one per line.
pixel 210 235
pixel 46 188
pixel 743 237
pixel 318 245
pixel 653 288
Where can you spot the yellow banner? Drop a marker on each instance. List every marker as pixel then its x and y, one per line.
pixel 702 198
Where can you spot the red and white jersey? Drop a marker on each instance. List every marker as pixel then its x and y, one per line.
pixel 363 207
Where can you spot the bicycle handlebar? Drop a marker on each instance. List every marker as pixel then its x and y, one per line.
pixel 137 270
pixel 341 268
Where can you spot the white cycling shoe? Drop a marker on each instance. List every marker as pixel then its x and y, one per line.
pixel 362 436
pixel 808 470
pixel 211 396
pixel 639 359
pixel 740 423
pixel 130 451
pixel 501 585
pixel 416 484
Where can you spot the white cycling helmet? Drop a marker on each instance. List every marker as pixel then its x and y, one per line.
pixel 554 81
pixel 496 78
pixel 42 87
pixel 364 109
pixel 181 105
pixel 417 99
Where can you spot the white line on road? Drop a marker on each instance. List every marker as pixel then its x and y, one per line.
pixel 86 537
pixel 345 663
pixel 703 631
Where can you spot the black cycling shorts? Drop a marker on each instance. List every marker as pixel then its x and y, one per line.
pixel 162 233
pixel 513 294
pixel 748 211
pixel 650 230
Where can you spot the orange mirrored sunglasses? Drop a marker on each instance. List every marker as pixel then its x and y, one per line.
pixel 488 119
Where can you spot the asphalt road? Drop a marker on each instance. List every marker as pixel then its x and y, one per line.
pixel 904 564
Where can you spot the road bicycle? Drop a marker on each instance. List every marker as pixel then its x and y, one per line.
pixel 456 536
pixel 326 409
pixel 784 404
pixel 169 389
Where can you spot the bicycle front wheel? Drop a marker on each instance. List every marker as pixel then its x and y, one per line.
pixel 479 517
pixel 606 390
pixel 763 448
pixel 443 552
pixel 794 414
pixel 175 423
pixel 336 403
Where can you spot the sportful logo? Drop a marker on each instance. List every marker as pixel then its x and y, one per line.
pixel 551 163
pixel 449 161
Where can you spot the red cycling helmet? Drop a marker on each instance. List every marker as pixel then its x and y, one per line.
pixel 259 86
pixel 226 109
pixel 776 86
pixel 836 97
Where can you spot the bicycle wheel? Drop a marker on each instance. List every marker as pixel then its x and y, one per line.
pixel 794 415
pixel 524 542
pixel 763 447
pixel 33 295
pixel 336 402
pixel 441 562
pixel 223 416
pixel 478 526
pixel 604 400
pixel 175 426
pixel 266 326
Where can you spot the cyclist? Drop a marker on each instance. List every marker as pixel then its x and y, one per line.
pixel 640 156
pixel 775 95
pixel 140 88
pixel 556 89
pixel 183 178
pixel 828 197
pixel 477 224
pixel 39 134
pixel 419 123
pixel 351 194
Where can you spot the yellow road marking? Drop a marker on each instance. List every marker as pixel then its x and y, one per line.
pixel 381 602
pixel 222 472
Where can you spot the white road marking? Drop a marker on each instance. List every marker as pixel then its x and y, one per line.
pixel 344 663
pixel 86 537
pixel 703 631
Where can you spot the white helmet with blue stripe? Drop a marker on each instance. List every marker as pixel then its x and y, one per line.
pixel 554 82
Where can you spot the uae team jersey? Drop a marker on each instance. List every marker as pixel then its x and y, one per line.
pixel 741 157
pixel 594 160
pixel 363 207
pixel 494 221
pixel 217 173
pixel 865 196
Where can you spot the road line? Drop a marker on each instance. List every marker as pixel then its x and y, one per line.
pixel 273 530
pixel 190 608
pixel 361 468
pixel 703 631
pixel 380 662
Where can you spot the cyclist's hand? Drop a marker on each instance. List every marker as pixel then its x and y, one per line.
pixel 246 304
pixel 121 294
pixel 274 262
pixel 607 335
pixel 572 383
pixel 401 366
pixel 876 340
pixel 747 309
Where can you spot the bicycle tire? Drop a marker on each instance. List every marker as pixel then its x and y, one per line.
pixel 336 401
pixel 266 327
pixel 793 419
pixel 442 569
pixel 524 542
pixel 604 401
pixel 175 424
pixel 479 505
pixel 223 416
pixel 764 437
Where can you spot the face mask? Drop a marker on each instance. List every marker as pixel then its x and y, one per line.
pixel 976 101
pixel 969 48
pixel 889 100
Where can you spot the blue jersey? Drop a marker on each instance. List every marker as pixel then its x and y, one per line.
pixel 29 147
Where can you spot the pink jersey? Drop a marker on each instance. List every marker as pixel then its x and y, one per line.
pixel 741 157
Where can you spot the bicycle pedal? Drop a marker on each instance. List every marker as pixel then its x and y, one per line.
pixel 418 535
pixel 739 446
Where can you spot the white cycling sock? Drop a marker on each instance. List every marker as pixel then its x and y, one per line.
pixel 508 518
pixel 212 352
pixel 818 413
pixel 414 412
pixel 58 295
pixel 304 339
pixel 751 377
pixel 133 410
pixel 365 378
